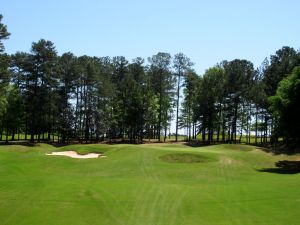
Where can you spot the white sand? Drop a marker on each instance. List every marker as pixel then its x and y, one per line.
pixel 74 154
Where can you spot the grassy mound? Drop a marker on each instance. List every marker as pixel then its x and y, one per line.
pixel 184 158
pixel 238 147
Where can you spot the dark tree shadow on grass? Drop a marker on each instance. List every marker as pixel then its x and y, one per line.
pixel 201 143
pixel 284 167
pixel 279 149
pixel 23 143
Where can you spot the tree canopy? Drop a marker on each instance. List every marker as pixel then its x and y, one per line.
pixel 51 97
pixel 285 105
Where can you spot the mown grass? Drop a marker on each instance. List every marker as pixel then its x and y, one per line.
pixel 134 186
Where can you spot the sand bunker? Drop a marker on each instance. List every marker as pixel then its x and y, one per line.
pixel 74 154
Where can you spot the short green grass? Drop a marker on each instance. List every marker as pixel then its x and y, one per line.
pixel 133 185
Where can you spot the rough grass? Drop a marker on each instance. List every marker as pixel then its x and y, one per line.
pixel 134 186
pixel 184 158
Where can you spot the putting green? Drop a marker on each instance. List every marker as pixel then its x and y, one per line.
pixel 136 185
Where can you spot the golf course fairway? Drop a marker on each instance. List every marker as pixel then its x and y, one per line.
pixel 149 184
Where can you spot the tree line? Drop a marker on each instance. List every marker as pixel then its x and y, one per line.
pixel 44 96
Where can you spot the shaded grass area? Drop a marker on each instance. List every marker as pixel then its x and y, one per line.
pixel 284 167
pixel 134 186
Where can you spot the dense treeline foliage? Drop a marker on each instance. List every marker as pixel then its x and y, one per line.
pixel 44 96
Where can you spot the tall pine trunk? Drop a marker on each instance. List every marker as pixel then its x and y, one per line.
pixel 256 125
pixel 177 106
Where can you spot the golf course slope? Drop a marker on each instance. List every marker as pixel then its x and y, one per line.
pixel 149 184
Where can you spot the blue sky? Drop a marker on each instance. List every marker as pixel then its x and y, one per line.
pixel 206 31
